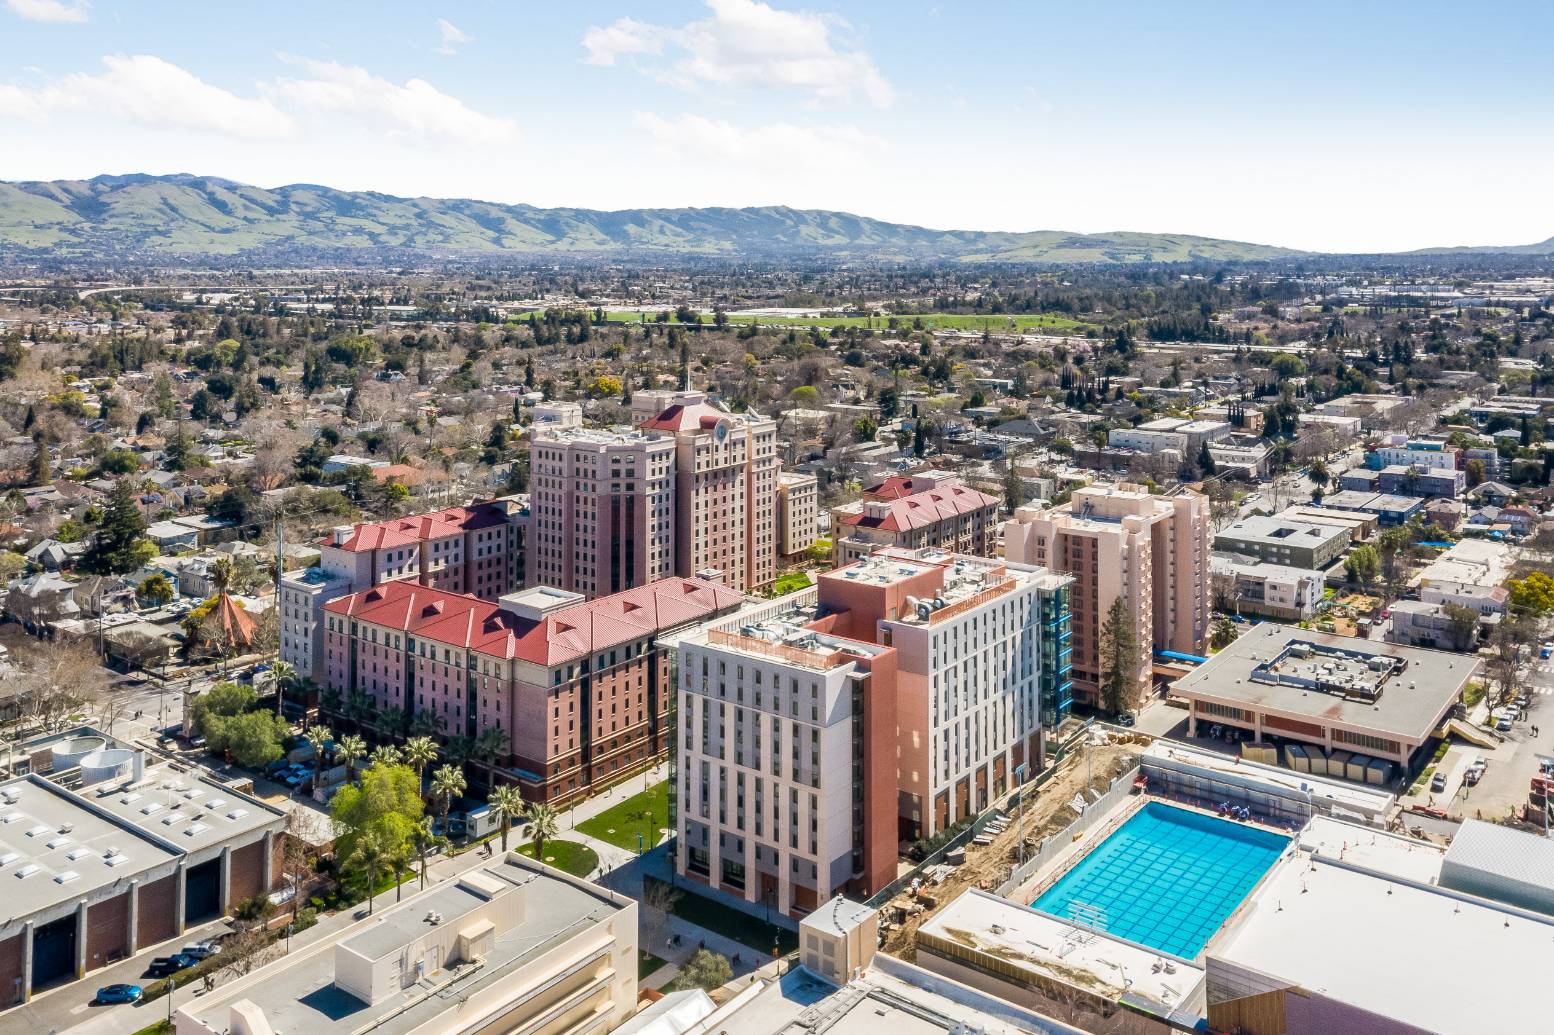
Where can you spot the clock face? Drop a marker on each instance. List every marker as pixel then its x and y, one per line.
pixel 721 431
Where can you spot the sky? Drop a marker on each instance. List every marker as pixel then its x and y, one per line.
pixel 1355 126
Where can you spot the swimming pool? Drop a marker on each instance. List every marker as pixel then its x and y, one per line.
pixel 1167 878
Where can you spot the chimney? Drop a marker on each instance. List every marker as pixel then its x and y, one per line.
pixel 713 575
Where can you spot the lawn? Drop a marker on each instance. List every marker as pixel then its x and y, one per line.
pixel 905 321
pixel 159 1028
pixel 576 859
pixel 646 814
pixel 729 922
pixel 790 582
pixel 647 963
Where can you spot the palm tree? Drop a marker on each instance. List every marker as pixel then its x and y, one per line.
pixel 391 720
pixel 284 674
pixel 371 856
pixel 420 752
pixel 351 749
pixel 221 573
pixel 399 862
pixel 358 708
pixel 385 754
pixel 318 736
pixel 491 745
pixel 447 784
pixel 426 723
pixel 544 823
pixel 459 750
pixel 508 804
pixel 424 838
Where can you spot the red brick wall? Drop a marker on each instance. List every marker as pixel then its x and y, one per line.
pixel 247 873
pixel 107 931
pixel 10 969
pixel 158 917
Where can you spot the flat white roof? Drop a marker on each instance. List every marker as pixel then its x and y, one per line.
pixel 1337 793
pixel 1386 855
pixel 1063 952
pixel 1426 957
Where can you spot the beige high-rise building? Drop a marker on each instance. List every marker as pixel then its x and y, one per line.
pixel 1123 541
pixel 726 470
pixel 798 513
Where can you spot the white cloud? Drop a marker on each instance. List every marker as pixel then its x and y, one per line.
pixel 417 108
pixel 152 92
pixel 48 10
pixel 745 43
pixel 452 37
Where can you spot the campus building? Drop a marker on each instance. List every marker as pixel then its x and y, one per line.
pixel 909 693
pixel 926 509
pixel 510 946
pixel 603 509
pixel 104 855
pixel 726 468
pixel 798 513
pixel 1247 587
pixel 1296 542
pixel 1330 692
pixel 1123 543
pixel 579 688
pixel 476 550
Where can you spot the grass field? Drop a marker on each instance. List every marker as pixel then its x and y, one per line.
pixel 647 963
pixel 646 814
pixel 577 859
pixel 931 321
pixel 729 922
pixel 791 582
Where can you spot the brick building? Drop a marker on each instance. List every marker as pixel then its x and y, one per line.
pixel 926 509
pixel 580 688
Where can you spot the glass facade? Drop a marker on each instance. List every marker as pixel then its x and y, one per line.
pixel 1057 684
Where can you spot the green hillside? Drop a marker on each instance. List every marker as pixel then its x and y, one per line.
pixel 150 217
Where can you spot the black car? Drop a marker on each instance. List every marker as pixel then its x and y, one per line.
pixel 164 966
pixel 1126 719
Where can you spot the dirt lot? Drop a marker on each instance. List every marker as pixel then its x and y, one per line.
pixel 989 866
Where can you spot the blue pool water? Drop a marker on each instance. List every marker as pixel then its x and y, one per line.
pixel 1167 878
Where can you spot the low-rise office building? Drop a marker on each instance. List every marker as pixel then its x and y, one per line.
pixel 1418 480
pixel 1249 587
pixel 1278 540
pixel 1335 692
pixel 1471 574
pixel 1390 511
pixel 927 509
pixel 1416 623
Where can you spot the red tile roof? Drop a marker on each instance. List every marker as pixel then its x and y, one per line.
pixel 683 417
pixel 470 623
pixel 407 531
pixel 923 508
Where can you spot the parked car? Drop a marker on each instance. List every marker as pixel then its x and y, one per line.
pixel 118 994
pixel 201 950
pixel 1503 724
pixel 1438 782
pixel 1126 719
pixel 1546 651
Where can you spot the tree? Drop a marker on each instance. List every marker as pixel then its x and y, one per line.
pixel 351 750
pixel 383 803
pixel 155 590
pixel 1475 471
pixel 1362 565
pixel 387 754
pixel 254 738
pixel 1533 594
pixel 448 783
pixel 120 545
pixel 508 804
pixel 1463 623
pixel 317 737
pixel 865 429
pixel 419 753
pixel 425 840
pixel 1223 634
pixel 1014 489
pixel 39 470
pixel 1119 662
pixel 371 855
pixel 544 824
pixel 706 970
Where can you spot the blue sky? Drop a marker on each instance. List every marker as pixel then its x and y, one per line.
pixel 1354 126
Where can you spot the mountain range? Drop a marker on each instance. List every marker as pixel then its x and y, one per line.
pixel 152 218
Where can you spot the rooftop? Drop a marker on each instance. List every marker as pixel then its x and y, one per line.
pixel 298 993
pixel 1335 931
pixel 560 636
pixel 407 531
pixel 786 638
pixel 185 808
pixel 1280 531
pixel 1381 687
pixel 1471 562
pixel 1050 949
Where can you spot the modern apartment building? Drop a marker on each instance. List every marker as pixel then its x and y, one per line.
pixel 580 688
pixel 509 946
pixel 476 550
pixel 907 696
pixel 603 509
pixel 726 468
pixel 1298 542
pixel 1248 587
pixel 926 509
pixel 798 513
pixel 1122 542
